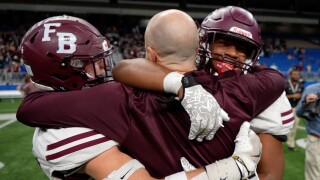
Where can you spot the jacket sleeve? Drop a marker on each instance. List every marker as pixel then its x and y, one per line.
pixel 103 108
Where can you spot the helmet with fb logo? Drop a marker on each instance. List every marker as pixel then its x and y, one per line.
pixel 235 24
pixel 56 52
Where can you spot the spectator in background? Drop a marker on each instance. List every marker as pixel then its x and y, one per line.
pixel 264 64
pixel 301 54
pixel 312 158
pixel 309 70
pixel 294 89
pixel 300 66
pixel 290 56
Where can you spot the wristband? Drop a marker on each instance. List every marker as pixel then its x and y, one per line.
pixel 172 83
pixel 188 81
pixel 126 170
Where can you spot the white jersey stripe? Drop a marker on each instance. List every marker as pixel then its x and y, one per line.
pixel 72 144
pixel 75 148
pixel 70 139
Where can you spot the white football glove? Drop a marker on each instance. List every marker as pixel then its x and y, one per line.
pixel 247 152
pixel 243 163
pixel 205 113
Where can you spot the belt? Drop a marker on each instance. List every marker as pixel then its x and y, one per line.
pixel 315 135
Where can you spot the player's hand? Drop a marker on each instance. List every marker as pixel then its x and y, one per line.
pixel 247 151
pixel 205 113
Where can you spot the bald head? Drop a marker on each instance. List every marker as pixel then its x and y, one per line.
pixel 173 35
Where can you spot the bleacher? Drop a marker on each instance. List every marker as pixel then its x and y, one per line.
pixel 284 64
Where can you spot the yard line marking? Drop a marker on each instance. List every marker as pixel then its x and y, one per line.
pixel 7 123
pixel 302 127
pixel 7 116
pixel 1 165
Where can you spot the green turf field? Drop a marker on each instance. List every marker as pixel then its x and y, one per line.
pixel 9 105
pixel 19 164
pixel 15 147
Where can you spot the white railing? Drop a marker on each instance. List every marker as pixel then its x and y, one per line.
pixel 5 94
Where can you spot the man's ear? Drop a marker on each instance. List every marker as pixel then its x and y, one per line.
pixel 151 54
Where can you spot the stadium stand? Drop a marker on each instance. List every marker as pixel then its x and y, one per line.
pixel 126 20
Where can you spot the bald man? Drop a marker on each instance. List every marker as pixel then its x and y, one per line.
pixel 151 128
pixel 168 45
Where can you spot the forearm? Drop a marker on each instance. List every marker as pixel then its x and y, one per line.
pixel 290 96
pixel 114 161
pixel 141 73
pixel 294 96
pixel 271 168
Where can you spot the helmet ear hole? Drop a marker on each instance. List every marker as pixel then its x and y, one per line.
pixel 34 37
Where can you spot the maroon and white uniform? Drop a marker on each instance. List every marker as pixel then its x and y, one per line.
pixel 277 119
pixel 67 149
pixel 151 129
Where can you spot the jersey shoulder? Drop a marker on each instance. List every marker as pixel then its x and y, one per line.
pixel 277 119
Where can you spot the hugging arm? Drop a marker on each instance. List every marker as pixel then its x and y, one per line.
pixel 205 113
pixel 242 165
pixel 141 73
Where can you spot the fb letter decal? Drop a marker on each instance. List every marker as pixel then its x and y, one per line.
pixel 47 30
pixel 67 43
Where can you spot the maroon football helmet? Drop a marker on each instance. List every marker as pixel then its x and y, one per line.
pixel 56 51
pixel 235 24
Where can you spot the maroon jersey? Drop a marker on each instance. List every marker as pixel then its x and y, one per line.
pixel 151 129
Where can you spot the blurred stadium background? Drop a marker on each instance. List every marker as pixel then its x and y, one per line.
pixel 290 31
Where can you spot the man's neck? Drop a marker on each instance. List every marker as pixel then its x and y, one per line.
pixel 180 67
